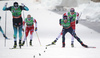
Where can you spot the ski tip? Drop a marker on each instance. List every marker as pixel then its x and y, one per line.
pixel 91 47
pixel 94 47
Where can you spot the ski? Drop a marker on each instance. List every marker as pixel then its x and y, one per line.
pixel 91 47
pixel 8 39
pixel 50 44
pixel 14 48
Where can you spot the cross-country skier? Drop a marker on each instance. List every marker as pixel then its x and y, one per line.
pixel 72 15
pixel 29 28
pixel 66 24
pixel 17 20
pixel 2 30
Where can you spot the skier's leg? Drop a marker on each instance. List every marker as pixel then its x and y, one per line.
pixel 72 40
pixel 31 35
pixel 76 37
pixel 57 38
pixel 15 36
pixel 20 35
pixel 3 32
pixel 63 37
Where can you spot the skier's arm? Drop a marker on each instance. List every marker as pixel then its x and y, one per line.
pixel 77 17
pixel 35 24
pixel 23 7
pixel 23 25
pixel 60 21
pixel 5 8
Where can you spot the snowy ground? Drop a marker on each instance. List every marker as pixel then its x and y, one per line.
pixel 48 29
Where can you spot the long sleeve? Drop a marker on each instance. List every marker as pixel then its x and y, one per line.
pixel 24 8
pixel 60 21
pixel 35 23
pixel 77 16
pixel 24 23
pixel 5 8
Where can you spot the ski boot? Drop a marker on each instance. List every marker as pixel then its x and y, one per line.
pixel 84 45
pixel 23 43
pixel 20 44
pixel 72 45
pixel 63 45
pixel 30 42
pixel 54 42
pixel 15 44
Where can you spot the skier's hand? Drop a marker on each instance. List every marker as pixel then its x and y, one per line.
pixel 23 29
pixel 22 4
pixel 76 21
pixel 6 4
pixel 35 28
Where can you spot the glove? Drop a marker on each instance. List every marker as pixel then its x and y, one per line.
pixel 76 21
pixel 23 29
pixel 6 4
pixel 22 4
pixel 35 28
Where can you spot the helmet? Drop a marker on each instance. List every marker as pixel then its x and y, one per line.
pixel 15 4
pixel 72 10
pixel 64 17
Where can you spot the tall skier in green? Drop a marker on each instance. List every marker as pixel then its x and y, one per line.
pixel 17 20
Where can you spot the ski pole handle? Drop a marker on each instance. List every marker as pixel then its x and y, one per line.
pixel 6 4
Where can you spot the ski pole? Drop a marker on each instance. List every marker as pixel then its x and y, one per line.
pixel 5 24
pixel 25 29
pixel 38 38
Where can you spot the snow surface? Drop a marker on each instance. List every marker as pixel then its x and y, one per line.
pixel 48 30
pixel 90 11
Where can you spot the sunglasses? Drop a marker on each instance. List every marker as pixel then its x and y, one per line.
pixel 15 7
pixel 28 18
pixel 71 10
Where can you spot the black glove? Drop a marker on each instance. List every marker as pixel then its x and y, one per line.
pixel 76 21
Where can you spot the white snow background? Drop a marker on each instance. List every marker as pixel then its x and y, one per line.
pixel 48 30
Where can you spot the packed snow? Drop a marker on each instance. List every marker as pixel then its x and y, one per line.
pixel 48 30
pixel 90 11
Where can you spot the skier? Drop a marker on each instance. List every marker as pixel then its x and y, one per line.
pixel 66 24
pixel 17 20
pixel 2 30
pixel 29 27
pixel 72 15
